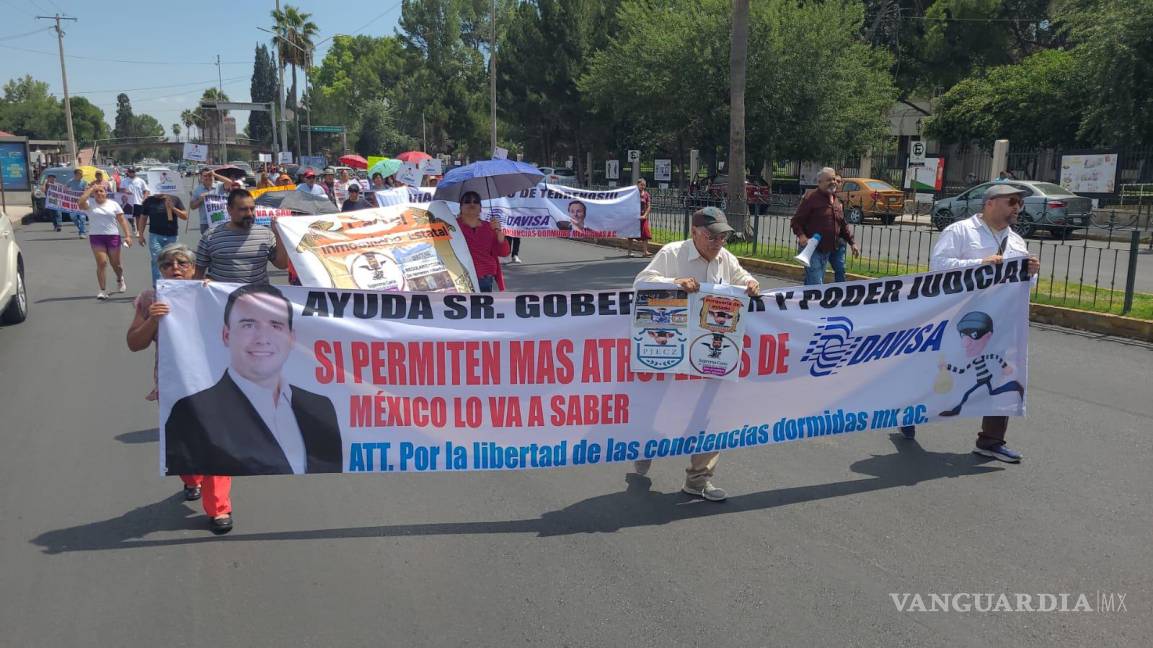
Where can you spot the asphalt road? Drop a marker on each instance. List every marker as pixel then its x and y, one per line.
pixel 97 550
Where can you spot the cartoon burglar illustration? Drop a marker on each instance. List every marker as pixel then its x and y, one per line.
pixel 976 329
pixel 716 346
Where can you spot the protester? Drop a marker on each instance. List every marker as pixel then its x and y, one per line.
pixel 821 213
pixel 239 251
pixel 162 216
pixel 110 230
pixel 984 238
pixel 329 184
pixel 378 183
pixel 211 184
pixel 486 242
pixel 284 180
pixel 689 263
pixel 57 218
pixel 341 186
pixel 76 184
pixel 99 179
pixel 265 182
pixel 354 201
pixel 135 190
pixel 646 231
pixel 310 185
pixel 176 261
pixel 514 249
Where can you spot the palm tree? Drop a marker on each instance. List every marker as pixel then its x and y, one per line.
pixel 188 119
pixel 294 33
pixel 213 118
pixel 176 131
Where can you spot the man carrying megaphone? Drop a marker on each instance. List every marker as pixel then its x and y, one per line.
pixel 821 213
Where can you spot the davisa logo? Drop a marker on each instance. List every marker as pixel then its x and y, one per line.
pixel 834 346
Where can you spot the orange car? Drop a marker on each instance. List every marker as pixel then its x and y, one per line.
pixel 867 197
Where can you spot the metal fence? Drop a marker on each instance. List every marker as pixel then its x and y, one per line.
pixel 1094 270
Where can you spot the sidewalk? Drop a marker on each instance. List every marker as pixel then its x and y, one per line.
pixel 19 215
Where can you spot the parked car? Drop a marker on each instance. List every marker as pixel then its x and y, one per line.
pixel 871 198
pixel 1047 206
pixel 757 192
pixel 558 176
pixel 13 290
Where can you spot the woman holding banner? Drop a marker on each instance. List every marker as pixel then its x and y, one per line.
pixel 176 261
pixel 486 242
pixel 646 231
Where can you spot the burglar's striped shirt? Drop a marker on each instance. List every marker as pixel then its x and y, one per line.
pixel 980 366
pixel 236 255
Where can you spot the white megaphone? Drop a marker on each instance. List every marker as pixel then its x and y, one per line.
pixel 810 247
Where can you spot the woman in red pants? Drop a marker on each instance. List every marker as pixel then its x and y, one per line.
pixel 176 261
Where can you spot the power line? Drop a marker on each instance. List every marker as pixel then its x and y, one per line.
pixel 174 85
pixel 15 36
pixel 106 60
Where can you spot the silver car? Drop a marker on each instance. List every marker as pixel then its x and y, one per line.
pixel 1047 206
pixel 13 291
pixel 560 176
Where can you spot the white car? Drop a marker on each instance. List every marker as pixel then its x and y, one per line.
pixel 13 291
pixel 558 176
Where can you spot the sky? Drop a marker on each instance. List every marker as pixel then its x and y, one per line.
pixel 162 53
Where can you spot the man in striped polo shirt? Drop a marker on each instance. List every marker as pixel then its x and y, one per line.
pixel 239 251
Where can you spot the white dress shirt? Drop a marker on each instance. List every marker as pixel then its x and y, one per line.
pixel 966 242
pixel 275 410
pixel 316 189
pixel 682 259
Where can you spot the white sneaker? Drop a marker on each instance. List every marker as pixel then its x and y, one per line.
pixel 708 491
pixel 101 296
pixel 516 259
pixel 121 286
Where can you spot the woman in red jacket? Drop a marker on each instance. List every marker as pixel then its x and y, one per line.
pixel 486 242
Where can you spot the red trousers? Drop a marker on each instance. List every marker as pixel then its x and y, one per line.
pixel 214 492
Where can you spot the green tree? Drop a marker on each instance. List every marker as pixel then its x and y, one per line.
pixel 124 117
pixel 210 122
pixel 1038 102
pixel 378 134
pixel 176 131
pixel 1113 42
pixel 146 126
pixel 87 121
pixel 28 109
pixel 263 89
pixel 294 33
pixel 357 72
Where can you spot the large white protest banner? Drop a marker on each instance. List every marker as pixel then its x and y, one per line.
pixel 549 210
pixel 195 152
pixel 421 382
pixel 399 248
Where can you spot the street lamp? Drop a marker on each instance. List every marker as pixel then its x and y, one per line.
pixel 307 84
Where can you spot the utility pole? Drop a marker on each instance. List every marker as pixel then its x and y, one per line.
pixel 280 91
pixel 64 79
pixel 423 133
pixel 308 92
pixel 220 113
pixel 492 79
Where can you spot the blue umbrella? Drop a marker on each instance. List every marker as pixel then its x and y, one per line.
pixel 386 167
pixel 489 178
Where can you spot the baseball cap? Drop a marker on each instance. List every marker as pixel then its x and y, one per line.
pixel 310 173
pixel 329 171
pixel 1003 189
pixel 713 219
pixel 975 324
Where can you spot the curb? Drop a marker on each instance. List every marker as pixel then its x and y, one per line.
pixel 1103 323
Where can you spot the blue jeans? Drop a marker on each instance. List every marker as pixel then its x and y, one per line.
pixel 487 284
pixel 80 218
pixel 156 243
pixel 815 273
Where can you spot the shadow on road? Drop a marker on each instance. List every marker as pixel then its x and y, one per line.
pixel 636 506
pixel 139 436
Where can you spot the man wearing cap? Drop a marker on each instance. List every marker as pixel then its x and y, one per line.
pixel 821 213
pixel 701 259
pixel 354 201
pixel 310 186
pixel 328 183
pixel 984 238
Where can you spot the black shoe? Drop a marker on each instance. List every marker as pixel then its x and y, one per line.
pixel 191 493
pixel 953 412
pixel 220 526
pixel 909 432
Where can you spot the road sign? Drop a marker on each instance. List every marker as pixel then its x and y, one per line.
pixel 662 170
pixel 612 169
pixel 634 155
pixel 917 153
pixel 325 129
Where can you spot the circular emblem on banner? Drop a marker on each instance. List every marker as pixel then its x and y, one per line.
pixel 714 354
pixel 376 271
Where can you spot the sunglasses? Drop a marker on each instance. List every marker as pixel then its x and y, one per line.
pixel 172 264
pixel 715 238
pixel 1015 200
pixel 470 201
